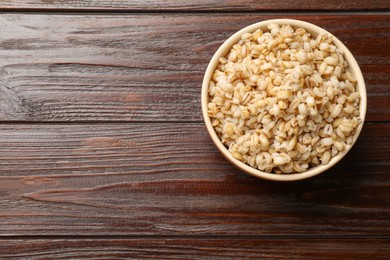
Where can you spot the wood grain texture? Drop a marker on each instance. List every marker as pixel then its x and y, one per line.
pixel 149 149
pixel 168 179
pixel 57 68
pixel 198 5
pixel 170 248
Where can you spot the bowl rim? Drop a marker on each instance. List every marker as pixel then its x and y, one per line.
pixel 223 50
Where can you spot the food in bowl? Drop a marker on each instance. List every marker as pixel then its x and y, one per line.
pixel 284 101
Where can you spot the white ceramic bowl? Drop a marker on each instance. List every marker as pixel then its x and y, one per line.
pixel 225 48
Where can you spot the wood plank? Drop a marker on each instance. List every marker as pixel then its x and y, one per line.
pixel 171 248
pixel 199 5
pixel 164 179
pixel 149 149
pixel 58 68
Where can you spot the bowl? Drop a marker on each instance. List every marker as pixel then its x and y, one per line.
pixel 314 31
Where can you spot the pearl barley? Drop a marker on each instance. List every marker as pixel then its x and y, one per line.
pixel 283 101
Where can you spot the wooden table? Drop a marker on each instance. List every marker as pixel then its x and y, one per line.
pixel 104 155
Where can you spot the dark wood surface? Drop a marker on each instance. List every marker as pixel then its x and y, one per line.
pixel 193 248
pixel 103 153
pixel 142 68
pixel 168 179
pixel 196 5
